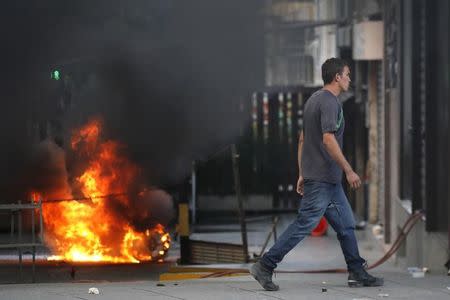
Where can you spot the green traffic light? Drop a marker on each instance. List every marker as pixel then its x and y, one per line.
pixel 55 75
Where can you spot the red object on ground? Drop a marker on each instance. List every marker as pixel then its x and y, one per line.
pixel 321 228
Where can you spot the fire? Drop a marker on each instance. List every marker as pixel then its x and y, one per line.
pixel 92 229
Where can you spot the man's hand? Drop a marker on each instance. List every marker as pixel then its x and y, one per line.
pixel 353 179
pixel 333 148
pixel 300 183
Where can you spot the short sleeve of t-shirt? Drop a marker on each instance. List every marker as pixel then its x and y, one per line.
pixel 329 111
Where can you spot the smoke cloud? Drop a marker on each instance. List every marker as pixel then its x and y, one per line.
pixel 167 78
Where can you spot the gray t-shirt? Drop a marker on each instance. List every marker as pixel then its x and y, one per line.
pixel 323 113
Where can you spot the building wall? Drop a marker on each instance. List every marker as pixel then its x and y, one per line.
pixel 421 248
pixel 416 108
pixel 324 45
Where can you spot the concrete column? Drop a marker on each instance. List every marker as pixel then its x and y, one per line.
pixel 372 166
pixel 359 138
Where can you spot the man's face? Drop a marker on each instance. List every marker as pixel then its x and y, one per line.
pixel 344 79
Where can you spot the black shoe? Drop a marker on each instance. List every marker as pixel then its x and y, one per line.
pixel 263 276
pixel 362 278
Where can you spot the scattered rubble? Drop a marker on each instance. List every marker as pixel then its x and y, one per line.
pixel 377 231
pixel 94 291
pixel 417 272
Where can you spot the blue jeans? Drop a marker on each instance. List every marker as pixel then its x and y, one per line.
pixel 319 199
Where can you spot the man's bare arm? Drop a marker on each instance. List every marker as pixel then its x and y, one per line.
pixel 300 171
pixel 332 147
pixel 299 154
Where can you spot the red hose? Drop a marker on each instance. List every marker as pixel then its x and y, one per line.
pixel 409 224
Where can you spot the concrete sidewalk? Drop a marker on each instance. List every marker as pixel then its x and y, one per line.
pixel 313 253
pixel 398 285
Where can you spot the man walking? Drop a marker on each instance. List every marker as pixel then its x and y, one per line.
pixel 321 163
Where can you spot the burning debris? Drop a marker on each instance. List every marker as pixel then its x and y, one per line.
pixel 120 221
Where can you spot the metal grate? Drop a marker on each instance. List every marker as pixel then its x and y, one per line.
pixel 210 252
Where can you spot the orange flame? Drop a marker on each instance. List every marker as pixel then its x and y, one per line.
pixel 90 231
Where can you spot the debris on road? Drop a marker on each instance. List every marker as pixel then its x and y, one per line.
pixel 417 272
pixel 94 291
pixel 377 231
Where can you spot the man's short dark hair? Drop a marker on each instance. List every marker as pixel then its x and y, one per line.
pixel 331 67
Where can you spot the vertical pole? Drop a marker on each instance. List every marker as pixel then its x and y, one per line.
pixel 359 138
pixel 19 217
pixel 381 142
pixel 183 231
pixel 387 169
pixel 446 11
pixel 241 212
pixel 33 240
pixel 448 145
pixel 183 223
pixel 373 144
pixel 33 229
pixel 12 223
pixel 41 222
pixel 194 193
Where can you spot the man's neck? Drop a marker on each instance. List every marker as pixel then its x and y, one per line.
pixel 335 90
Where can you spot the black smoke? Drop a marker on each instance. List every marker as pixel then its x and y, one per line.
pixel 167 77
